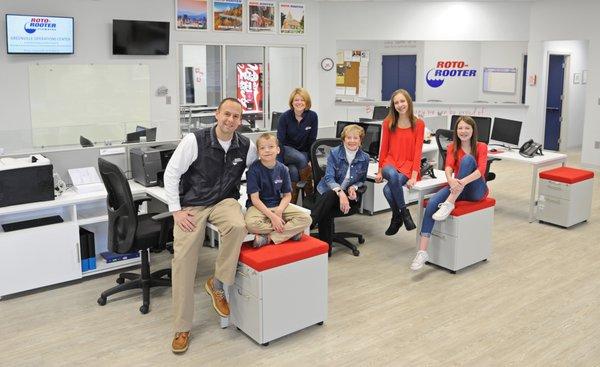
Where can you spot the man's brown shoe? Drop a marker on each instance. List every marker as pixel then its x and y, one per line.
pixel 218 298
pixel 180 342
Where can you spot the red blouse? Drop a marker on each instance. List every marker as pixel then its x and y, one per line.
pixel 402 148
pixel 481 158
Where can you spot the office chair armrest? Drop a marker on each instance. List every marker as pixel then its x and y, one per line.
pixel 162 216
pixel 140 201
pixel 361 190
pixel 491 159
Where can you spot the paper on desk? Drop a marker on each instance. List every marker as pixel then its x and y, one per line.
pixel 84 176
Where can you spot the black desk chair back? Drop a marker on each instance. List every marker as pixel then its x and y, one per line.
pixel 275 120
pixel 443 138
pixel 85 142
pixel 319 152
pixel 128 232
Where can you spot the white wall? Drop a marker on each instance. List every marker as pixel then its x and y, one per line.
pixel 578 21
pixel 502 55
pixel 430 21
pixel 93 44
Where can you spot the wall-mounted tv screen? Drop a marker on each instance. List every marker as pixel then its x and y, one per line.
pixel 39 34
pixel 136 37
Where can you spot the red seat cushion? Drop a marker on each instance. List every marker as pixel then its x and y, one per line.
pixel 465 207
pixel 272 256
pixel 568 175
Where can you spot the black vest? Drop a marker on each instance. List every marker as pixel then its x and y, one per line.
pixel 214 175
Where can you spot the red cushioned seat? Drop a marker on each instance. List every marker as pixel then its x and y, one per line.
pixel 463 207
pixel 272 256
pixel 567 175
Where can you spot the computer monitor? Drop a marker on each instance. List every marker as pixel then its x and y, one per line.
pixel 380 112
pixel 151 134
pixel 134 137
pixel 484 125
pixel 140 128
pixel 371 140
pixel 506 131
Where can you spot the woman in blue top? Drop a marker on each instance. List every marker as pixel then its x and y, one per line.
pixel 346 171
pixel 296 132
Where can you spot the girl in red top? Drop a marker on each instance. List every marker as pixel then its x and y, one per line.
pixel 468 162
pixel 400 157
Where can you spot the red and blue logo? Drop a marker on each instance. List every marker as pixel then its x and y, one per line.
pixel 448 69
pixel 38 23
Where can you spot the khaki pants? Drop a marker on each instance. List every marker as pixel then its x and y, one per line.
pixel 227 216
pixel 295 219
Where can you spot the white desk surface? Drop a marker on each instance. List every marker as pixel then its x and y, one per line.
pixel 513 155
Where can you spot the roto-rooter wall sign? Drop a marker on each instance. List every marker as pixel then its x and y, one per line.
pixel 448 69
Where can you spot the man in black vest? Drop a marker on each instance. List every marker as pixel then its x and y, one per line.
pixel 202 181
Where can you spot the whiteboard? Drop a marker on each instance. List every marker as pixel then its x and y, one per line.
pixel 500 80
pixel 100 102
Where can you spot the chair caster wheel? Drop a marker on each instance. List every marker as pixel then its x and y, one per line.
pixel 320 323
pixel 238 328
pixel 355 252
pixel 144 309
pixel 265 344
pixel 120 280
pixel 101 301
pixel 361 240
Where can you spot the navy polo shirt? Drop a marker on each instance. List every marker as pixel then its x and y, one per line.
pixel 298 135
pixel 270 183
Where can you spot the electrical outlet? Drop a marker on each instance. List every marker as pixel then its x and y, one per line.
pixel 597 145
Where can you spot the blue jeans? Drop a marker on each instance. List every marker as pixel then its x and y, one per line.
pixel 295 161
pixel 393 192
pixel 473 191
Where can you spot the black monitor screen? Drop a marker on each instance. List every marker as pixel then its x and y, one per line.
pixel 380 112
pixel 506 131
pixel 135 136
pixel 370 142
pixel 133 37
pixel 484 125
pixel 151 134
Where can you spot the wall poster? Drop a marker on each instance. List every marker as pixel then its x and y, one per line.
pixel 228 15
pixel 191 14
pixel 291 18
pixel 262 16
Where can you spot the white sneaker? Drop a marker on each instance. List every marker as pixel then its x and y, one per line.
pixel 444 210
pixel 419 260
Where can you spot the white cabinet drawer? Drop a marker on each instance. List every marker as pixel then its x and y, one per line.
pixel 448 226
pixel 555 189
pixel 246 311
pixel 248 279
pixel 554 210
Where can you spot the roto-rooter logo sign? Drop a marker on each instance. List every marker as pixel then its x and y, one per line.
pixel 38 23
pixel 448 69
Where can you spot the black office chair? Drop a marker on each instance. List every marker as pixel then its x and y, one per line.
pixel 129 232
pixel 318 158
pixel 85 142
pixel 275 120
pixel 443 137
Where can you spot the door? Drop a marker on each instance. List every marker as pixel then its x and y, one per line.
pixel 556 76
pixel 398 71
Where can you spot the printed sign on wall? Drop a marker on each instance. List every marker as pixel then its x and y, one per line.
pixel 249 86
pixel 448 69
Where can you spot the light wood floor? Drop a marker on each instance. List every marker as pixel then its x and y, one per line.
pixel 536 302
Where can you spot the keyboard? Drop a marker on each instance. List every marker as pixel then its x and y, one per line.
pixel 38 222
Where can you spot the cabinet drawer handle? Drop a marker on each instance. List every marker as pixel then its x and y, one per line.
pixel 78 254
pixel 557 188
pixel 242 273
pixel 441 236
pixel 553 201
pixel 243 295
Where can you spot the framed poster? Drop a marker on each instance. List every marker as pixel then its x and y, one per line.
pixel 228 15
pixel 261 16
pixel 191 14
pixel 249 86
pixel 291 18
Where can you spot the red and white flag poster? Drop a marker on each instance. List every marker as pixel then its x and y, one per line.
pixel 249 86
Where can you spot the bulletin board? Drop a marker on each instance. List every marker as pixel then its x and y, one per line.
pixel 500 80
pixel 100 102
pixel 352 72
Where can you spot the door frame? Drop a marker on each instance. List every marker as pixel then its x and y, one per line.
pixel 563 140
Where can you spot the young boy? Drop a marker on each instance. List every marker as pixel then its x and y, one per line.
pixel 269 189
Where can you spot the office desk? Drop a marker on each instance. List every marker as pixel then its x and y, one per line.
pixel 537 162
pixel 50 254
pixel 374 201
